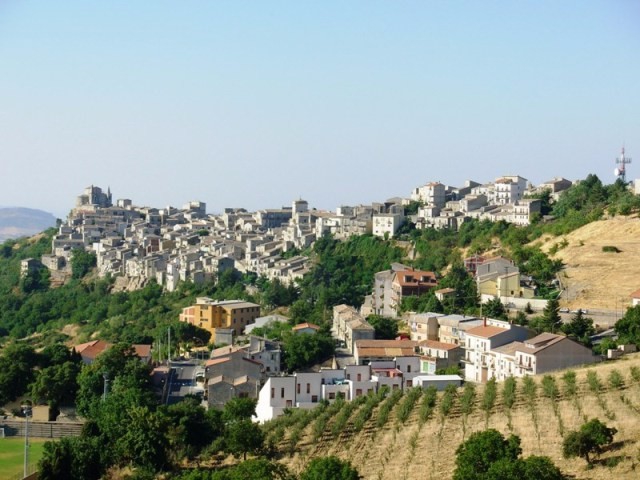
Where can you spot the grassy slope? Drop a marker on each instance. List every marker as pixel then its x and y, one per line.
pixel 597 279
pixel 385 454
pixel 12 455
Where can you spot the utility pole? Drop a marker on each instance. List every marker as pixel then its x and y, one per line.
pixel 27 411
pixel 106 386
pixel 169 345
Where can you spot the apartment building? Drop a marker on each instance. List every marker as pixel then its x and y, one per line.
pixel 228 314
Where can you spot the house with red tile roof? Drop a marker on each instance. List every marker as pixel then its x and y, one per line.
pixel 309 328
pixel 479 341
pixel 90 350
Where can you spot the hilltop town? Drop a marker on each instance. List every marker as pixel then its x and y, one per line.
pixel 480 319
pixel 170 244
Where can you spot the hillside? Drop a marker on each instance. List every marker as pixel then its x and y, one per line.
pixel 18 222
pixel 414 452
pixel 597 279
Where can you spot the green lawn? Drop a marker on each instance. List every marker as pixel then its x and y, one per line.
pixel 12 455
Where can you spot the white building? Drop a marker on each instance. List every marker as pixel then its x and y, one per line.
pixel 387 224
pixel 432 193
pixel 481 340
pixel 544 353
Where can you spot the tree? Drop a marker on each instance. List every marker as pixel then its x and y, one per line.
pixel 190 427
pixel 329 468
pixel 579 328
pixel 530 468
pixel 590 438
pixel 385 328
pixel 244 436
pixel 550 320
pixel 238 409
pixel 57 384
pixel 253 469
pixel 304 350
pixel 487 455
pixel 628 327
pixel 73 458
pixel 17 364
pixel 144 443
pixel 81 262
pixel 466 296
pixel 494 308
pixel 475 456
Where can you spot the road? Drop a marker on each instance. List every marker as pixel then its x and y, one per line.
pixel 182 380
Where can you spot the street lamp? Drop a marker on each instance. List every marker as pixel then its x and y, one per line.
pixel 106 386
pixel 26 409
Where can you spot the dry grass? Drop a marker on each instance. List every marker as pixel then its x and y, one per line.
pixel 598 279
pixel 385 454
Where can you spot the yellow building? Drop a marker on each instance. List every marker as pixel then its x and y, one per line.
pixel 504 286
pixel 228 314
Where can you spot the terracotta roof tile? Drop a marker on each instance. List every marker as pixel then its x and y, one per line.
pixel 485 332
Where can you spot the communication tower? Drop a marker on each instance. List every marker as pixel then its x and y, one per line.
pixel 620 171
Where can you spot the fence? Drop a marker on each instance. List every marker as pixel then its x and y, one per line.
pixel 517 302
pixel 32 470
pixel 14 428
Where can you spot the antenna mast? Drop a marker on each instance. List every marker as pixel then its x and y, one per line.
pixel 620 171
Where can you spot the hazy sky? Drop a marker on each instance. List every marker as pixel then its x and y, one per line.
pixel 256 103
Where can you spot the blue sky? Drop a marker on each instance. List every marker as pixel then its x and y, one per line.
pixel 254 104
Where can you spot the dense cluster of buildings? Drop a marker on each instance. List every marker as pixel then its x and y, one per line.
pixel 137 244
pixel 172 245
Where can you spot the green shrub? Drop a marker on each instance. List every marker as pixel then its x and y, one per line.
pixel 594 382
pixel 428 404
pixel 509 392
pixel 616 380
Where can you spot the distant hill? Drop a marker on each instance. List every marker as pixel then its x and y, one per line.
pixel 23 222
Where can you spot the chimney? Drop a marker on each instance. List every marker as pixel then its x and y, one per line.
pixel 484 321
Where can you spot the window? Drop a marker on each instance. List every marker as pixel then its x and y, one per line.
pixel 332 395
pixel 308 388
pixel 359 377
pixel 409 369
pixel 273 393
pixel 358 392
pixel 314 398
pixel 298 390
pixel 282 392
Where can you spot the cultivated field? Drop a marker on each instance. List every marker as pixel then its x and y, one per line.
pixel 423 447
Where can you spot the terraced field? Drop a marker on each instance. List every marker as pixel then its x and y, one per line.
pixel 415 435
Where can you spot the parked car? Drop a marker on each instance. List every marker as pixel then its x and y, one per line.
pixel 564 310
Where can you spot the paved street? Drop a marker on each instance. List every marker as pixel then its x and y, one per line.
pixel 182 380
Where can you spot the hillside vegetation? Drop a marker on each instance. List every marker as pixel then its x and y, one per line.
pixel 424 445
pixel 597 278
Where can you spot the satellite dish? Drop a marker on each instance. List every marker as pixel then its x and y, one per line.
pixel 616 172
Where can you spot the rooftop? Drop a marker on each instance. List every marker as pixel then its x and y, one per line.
pixel 486 331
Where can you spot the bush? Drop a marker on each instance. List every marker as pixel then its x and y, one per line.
pixel 509 392
pixel 594 382
pixel 610 249
pixel 428 404
pixel 615 379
